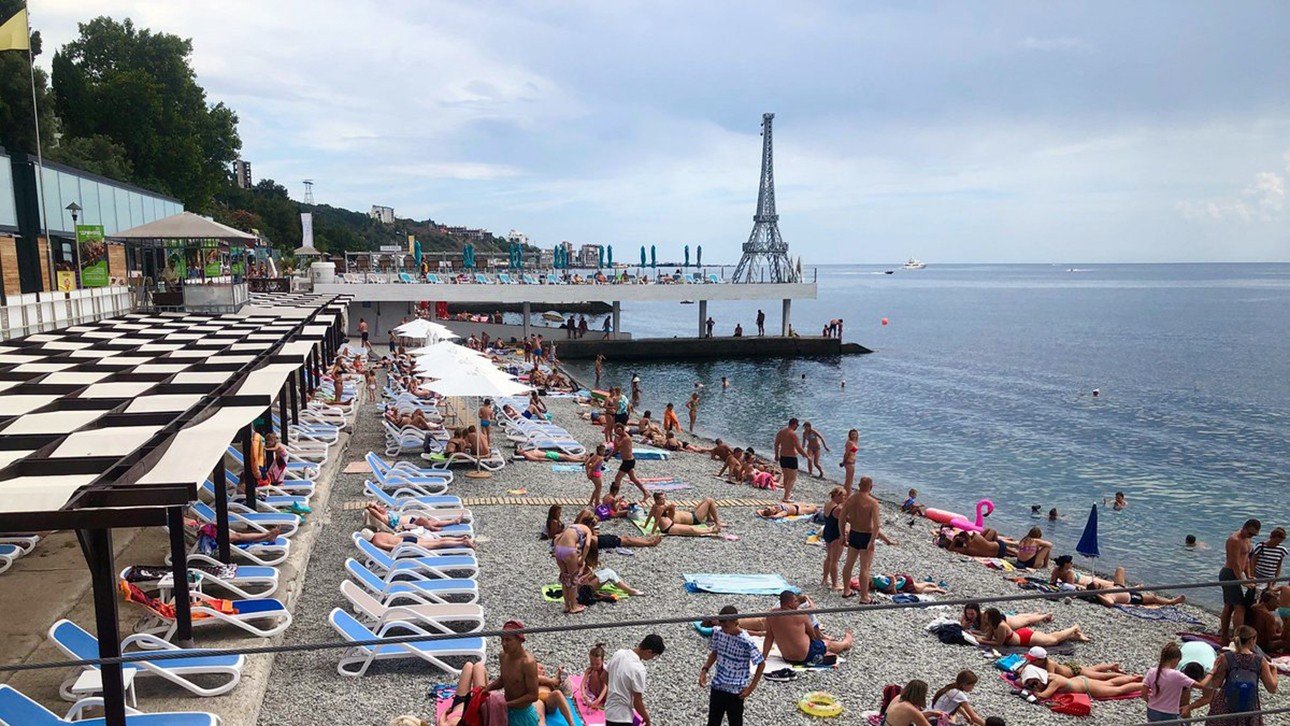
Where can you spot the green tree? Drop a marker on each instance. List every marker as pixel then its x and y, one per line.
pixel 137 89
pixel 17 132
pixel 97 154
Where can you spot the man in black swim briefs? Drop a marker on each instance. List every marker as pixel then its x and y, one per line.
pixel 787 448
pixel 861 514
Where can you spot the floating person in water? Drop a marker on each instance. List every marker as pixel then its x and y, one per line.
pixel 1191 543
pixel 1036 510
pixel 844 383
pixel 1053 516
pixel 1096 393
pixel 725 382
pixel 1120 502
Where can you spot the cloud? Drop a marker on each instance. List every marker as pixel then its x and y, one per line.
pixel 1055 44
pixel 1261 200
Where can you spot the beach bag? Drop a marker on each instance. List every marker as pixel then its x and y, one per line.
pixel 1071 704
pixel 951 634
pixel 1241 687
pixel 1010 663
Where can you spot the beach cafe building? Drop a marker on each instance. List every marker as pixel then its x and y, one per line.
pixel 117 423
pixel 187 262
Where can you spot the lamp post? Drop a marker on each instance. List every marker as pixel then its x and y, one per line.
pixel 75 209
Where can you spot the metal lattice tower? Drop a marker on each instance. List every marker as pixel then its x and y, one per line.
pixel 309 191
pixel 765 253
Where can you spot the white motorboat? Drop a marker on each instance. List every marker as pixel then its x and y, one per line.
pixel 914 264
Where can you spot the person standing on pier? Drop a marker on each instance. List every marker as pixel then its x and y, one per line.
pixel 362 332
pixel 582 325
pixel 693 405
pixel 761 323
pixel 787 449
pixel 711 323
pixel 861 513
pixel 608 327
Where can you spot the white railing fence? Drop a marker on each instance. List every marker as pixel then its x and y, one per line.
pixel 38 312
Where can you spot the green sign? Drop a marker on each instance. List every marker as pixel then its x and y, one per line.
pixel 93 254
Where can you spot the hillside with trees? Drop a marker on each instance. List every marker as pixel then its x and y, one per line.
pixel 124 102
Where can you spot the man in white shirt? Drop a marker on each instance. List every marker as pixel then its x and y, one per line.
pixel 627 679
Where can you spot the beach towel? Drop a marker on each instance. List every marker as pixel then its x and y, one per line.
pixel 589 716
pixel 645 453
pixel 443 702
pixel 357 467
pixel 566 468
pixel 775 660
pixel 790 518
pixel 815 540
pixel 1167 613
pixel 667 486
pixel 555 592
pixel 737 584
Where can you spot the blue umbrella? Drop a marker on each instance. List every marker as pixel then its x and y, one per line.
pixel 611 255
pixel 602 256
pixel 416 246
pixel 698 257
pixel 653 259
pixel 1088 541
pixel 642 255
pixel 687 256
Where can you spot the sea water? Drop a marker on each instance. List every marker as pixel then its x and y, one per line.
pixel 982 385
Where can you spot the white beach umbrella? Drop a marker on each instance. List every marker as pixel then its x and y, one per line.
pixel 422 329
pixel 478 383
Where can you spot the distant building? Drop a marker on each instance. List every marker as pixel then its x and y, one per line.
pixel 466 232
pixel 384 215
pixel 589 256
pixel 546 258
pixel 517 236
pixel 242 173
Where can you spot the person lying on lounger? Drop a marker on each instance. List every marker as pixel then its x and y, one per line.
pixel 415 418
pixel 892 584
pixel 1132 598
pixel 683 522
pixel 529 453
pixel 390 542
pixel 1064 572
pixel 406 522
pixel 995 632
pixel 1044 688
pixel 782 510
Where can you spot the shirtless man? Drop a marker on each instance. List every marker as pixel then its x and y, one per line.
pixel 486 422
pixel 623 447
pixel 1236 567
pixel 733 467
pixel 798 638
pixel 519 679
pixel 476 445
pixel 1263 618
pixel 787 448
pixel 720 452
pixel 861 514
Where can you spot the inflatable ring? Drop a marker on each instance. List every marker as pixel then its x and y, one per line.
pixel 702 629
pixel 820 705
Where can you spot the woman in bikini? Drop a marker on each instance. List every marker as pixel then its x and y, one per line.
pixel 595 680
pixel 1032 550
pixel 594 468
pixel 1121 686
pixel 977 544
pixel 995 632
pixel 832 536
pixel 534 454
pixel 470 697
pixel 971 618
pixel 849 451
pixel 683 523
pixel 391 541
pixel 570 551
pixel 813 441
pixel 783 510
pixel 1064 572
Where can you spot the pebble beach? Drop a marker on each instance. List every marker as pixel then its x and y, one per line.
pixel 891 646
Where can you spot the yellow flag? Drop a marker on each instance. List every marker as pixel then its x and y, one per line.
pixel 14 34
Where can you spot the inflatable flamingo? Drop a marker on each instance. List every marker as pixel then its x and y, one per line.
pixel 983 509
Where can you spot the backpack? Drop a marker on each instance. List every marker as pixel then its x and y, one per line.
pixel 1071 704
pixel 1241 687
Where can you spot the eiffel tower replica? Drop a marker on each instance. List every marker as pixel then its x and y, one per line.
pixel 765 253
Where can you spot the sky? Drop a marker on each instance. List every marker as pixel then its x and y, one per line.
pixel 951 132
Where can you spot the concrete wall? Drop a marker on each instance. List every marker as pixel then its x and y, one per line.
pixel 381 316
pixel 554 295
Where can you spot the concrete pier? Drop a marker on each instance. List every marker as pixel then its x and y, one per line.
pixel 704 348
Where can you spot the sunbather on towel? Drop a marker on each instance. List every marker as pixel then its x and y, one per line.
pixel 594 575
pixel 684 523
pixel 902 583
pixel 1045 688
pixel 798 636
pixel 782 510
pixel 971 618
pixel 978 544
pixel 995 632
pixel 551 696
pixel 1064 572
pixel 1038 656
pixel 470 697
pixel 671 443
pixel 1132 598
pixel 390 542
pixel 529 452
pixel 605 540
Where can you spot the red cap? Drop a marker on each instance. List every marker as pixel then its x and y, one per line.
pixel 515 625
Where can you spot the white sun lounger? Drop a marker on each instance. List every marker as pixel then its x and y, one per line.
pixel 433 617
pixel 356 661
pixel 76 643
pixel 16 709
pixel 423 592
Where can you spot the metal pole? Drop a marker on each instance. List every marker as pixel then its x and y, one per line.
pixel 784 324
pixel 282 411
pixel 221 513
pixel 179 572
pixel 703 316
pixel 618 309
pixel 97 547
pixel 526 311
pixel 295 400
pixel 249 474
pixel 40 166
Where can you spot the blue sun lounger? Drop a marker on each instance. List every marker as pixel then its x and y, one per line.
pixel 18 710
pixel 356 660
pixel 76 643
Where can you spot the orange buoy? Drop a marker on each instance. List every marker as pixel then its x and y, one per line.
pixel 884 321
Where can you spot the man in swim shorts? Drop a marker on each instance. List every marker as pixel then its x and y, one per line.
pixel 787 448
pixel 861 513
pixel 798 638
pixel 623 446
pixel 518 680
pixel 1236 567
